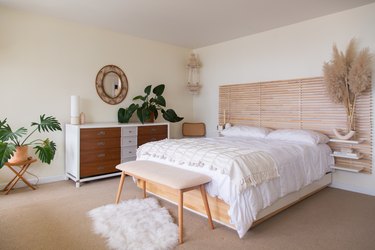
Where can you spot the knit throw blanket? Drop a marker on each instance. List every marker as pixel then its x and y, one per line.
pixel 244 166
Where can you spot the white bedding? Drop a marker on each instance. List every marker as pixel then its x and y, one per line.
pixel 297 165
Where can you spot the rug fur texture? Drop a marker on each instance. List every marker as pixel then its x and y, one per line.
pixel 135 224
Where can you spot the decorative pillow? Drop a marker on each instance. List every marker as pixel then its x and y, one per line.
pixel 298 135
pixel 246 131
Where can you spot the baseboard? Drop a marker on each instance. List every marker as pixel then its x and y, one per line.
pixel 42 180
pixel 353 188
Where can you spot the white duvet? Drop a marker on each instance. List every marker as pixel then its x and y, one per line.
pixel 296 165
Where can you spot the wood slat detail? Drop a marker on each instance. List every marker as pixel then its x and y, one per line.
pixel 301 104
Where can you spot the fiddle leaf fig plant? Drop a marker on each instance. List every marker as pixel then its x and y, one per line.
pixel 149 107
pixel 44 149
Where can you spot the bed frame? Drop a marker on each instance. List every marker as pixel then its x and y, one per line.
pixel 297 103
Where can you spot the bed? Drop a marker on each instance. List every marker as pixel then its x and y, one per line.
pixel 290 166
pixel 302 169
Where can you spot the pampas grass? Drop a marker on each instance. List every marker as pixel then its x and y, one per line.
pixel 347 76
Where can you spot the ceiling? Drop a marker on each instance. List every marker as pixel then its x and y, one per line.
pixel 186 23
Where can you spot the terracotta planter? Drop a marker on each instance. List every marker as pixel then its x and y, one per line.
pixel 21 154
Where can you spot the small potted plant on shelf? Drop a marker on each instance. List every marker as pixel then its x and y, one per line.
pixel 148 109
pixel 14 149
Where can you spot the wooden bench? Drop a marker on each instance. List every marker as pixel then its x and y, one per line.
pixel 172 177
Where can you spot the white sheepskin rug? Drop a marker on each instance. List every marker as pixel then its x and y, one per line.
pixel 135 224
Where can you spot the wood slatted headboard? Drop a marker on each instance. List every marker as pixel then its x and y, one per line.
pixel 301 104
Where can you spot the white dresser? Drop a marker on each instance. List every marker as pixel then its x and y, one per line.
pixel 92 151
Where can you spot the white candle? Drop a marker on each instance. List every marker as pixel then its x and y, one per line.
pixel 74 109
pixel 74 106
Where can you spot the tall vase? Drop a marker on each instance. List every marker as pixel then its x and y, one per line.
pixel 20 155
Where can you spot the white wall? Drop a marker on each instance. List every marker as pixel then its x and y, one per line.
pixel 44 60
pixel 289 52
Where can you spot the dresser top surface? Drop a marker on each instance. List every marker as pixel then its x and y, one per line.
pixel 115 124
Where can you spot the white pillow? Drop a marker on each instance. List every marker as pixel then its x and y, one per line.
pixel 298 135
pixel 246 131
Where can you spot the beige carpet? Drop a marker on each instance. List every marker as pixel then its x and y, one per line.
pixel 54 217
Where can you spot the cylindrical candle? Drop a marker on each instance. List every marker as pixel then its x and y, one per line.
pixel 74 109
pixel 74 106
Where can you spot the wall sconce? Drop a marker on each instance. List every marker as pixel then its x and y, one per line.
pixel 193 77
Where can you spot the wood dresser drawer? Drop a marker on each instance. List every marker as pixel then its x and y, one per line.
pixel 98 168
pixel 101 155
pixel 148 138
pixel 94 133
pixel 152 133
pixel 153 130
pixel 99 143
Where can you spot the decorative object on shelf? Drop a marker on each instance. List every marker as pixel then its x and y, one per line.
pixel 74 110
pixel 82 118
pixel 10 140
pixel 193 74
pixel 111 84
pixel 147 111
pixel 347 76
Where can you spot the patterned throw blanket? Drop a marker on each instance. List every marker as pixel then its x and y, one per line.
pixel 244 166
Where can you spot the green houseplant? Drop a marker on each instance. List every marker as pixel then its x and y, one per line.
pixel 10 140
pixel 149 107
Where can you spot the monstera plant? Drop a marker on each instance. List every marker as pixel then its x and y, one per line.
pixel 10 139
pixel 148 107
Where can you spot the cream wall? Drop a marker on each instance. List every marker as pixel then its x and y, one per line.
pixel 43 61
pixel 289 52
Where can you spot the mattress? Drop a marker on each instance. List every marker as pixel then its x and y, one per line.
pixel 297 165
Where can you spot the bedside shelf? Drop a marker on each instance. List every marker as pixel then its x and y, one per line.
pixel 346 141
pixel 359 156
pixel 349 169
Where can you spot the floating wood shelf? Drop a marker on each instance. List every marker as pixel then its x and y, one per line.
pixel 354 157
pixel 349 169
pixel 346 141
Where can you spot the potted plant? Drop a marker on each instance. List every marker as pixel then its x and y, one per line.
pixel 148 109
pixel 10 140
pixel 347 76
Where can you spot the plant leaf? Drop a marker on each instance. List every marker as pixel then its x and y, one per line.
pixel 171 116
pixel 140 115
pixel 6 133
pixel 148 89
pixel 6 151
pixel 139 97
pixel 158 90
pixel 160 101
pixel 124 115
pixel 46 151
pixel 47 124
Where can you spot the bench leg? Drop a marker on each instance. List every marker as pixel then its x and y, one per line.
pixel 180 215
pixel 121 184
pixel 206 206
pixel 144 189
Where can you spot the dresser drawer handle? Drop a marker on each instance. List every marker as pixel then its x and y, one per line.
pixel 130 141
pixel 100 155
pixel 101 143
pixel 153 139
pixel 130 152
pixel 101 133
pixel 100 168
pixel 153 129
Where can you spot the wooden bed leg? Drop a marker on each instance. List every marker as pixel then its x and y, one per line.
pixel 121 184
pixel 206 206
pixel 180 215
pixel 144 189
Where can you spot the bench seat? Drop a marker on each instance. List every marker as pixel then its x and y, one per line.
pixel 176 178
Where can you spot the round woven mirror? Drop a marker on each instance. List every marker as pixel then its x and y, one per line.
pixel 111 84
